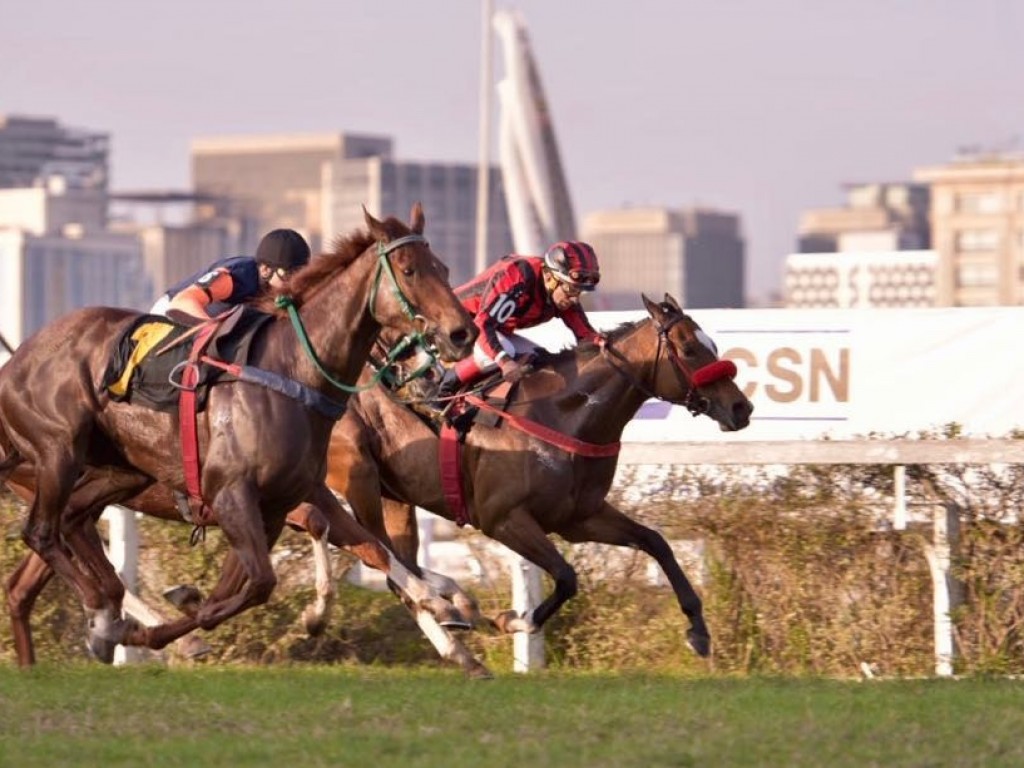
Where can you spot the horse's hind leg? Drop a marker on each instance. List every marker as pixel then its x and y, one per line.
pixel 518 531
pixel 610 526
pixel 23 587
pixel 347 533
pixel 404 535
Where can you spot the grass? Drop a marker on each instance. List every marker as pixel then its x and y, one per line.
pixel 287 715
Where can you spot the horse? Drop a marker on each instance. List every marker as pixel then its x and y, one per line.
pixel 520 486
pixel 264 451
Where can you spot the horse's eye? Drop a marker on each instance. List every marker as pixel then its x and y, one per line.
pixel 408 271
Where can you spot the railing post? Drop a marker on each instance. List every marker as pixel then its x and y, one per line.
pixel 123 550
pixel 527 649
pixel 945 588
pixel 899 491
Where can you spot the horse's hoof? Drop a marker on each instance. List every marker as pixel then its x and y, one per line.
pixel 701 644
pixel 314 622
pixel 455 622
pixel 185 597
pixel 100 648
pixel 479 672
pixel 193 647
pixel 510 622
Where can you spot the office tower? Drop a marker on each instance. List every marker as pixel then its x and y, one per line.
pixel 695 254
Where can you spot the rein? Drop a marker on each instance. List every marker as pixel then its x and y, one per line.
pixel 383 267
pixel 548 435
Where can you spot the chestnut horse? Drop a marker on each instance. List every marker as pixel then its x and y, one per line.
pixel 263 452
pixel 519 488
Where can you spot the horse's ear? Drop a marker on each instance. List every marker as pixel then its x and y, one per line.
pixel 416 218
pixel 652 308
pixel 375 227
pixel 670 301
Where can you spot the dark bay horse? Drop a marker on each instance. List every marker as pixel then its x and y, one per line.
pixel 519 488
pixel 262 452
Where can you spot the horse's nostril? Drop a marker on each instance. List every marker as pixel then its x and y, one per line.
pixel 460 338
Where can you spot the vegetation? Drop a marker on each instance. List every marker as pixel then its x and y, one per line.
pixel 800 571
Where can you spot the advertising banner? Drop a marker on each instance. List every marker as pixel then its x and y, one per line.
pixel 850 373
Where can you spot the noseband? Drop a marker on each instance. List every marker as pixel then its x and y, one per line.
pixel 690 379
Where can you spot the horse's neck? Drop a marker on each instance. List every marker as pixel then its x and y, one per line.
pixel 340 328
pixel 603 400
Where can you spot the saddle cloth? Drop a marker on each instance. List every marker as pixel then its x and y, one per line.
pixel 140 368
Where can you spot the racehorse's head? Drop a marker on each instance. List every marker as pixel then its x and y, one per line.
pixel 412 293
pixel 692 375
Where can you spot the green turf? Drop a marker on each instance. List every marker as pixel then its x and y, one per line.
pixel 291 716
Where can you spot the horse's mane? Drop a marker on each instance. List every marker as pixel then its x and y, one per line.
pixel 588 349
pixel 345 249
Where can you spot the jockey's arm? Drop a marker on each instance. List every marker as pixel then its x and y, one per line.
pixel 194 299
pixel 576 321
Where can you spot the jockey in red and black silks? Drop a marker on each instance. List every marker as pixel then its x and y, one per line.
pixel 521 292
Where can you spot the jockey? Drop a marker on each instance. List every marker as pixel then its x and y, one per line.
pixel 231 281
pixel 521 292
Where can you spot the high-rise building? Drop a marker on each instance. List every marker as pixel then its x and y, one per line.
pixel 697 255
pixel 876 217
pixel 274 181
pixel 448 192
pixel 871 252
pixel 34 149
pixel 977 215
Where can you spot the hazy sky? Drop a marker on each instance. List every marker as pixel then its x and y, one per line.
pixel 764 108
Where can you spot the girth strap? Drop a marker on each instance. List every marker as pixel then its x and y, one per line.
pixel 201 514
pixel 449 456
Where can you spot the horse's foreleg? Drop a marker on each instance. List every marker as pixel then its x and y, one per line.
pixel 519 532
pixel 23 587
pixel 610 526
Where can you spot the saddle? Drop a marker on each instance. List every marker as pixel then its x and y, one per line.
pixel 143 369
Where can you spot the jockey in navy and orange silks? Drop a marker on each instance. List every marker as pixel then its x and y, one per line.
pixel 521 292
pixel 231 281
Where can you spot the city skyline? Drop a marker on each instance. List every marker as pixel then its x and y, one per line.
pixel 762 110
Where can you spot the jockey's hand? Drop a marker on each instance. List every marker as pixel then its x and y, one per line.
pixel 513 370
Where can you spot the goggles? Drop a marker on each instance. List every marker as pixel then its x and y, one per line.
pixel 581 279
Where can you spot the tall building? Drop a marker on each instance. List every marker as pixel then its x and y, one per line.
pixel 56 255
pixel 876 217
pixel 977 214
pixel 45 276
pixel 871 252
pixel 274 181
pixel 697 255
pixel 34 149
pixel 448 192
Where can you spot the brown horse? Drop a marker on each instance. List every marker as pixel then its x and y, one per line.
pixel 519 488
pixel 263 452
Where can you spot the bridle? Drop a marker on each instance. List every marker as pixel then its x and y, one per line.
pixel 689 378
pixel 384 267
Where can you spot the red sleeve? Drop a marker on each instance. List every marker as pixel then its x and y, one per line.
pixel 576 319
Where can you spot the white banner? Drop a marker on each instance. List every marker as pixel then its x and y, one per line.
pixel 847 373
